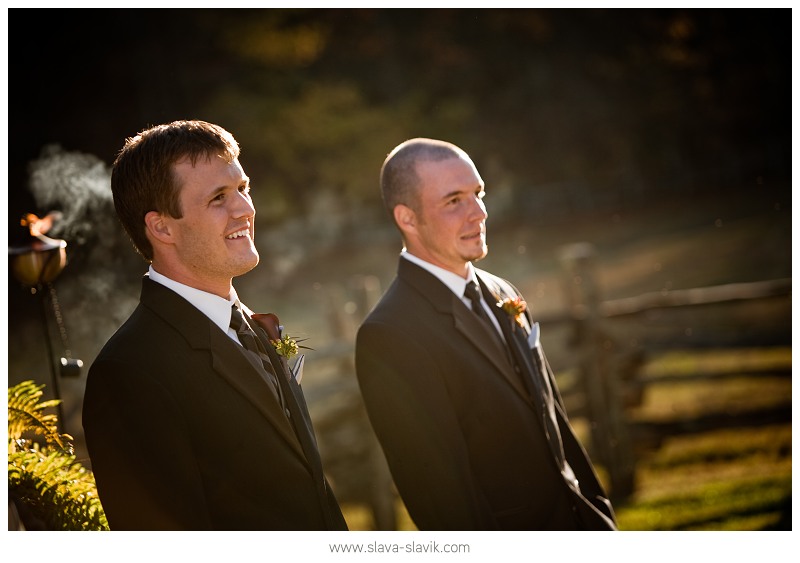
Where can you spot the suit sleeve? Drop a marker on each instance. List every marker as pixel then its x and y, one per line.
pixel 574 452
pixel 140 456
pixel 411 414
pixel 576 455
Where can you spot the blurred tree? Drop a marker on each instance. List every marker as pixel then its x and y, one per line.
pixel 611 103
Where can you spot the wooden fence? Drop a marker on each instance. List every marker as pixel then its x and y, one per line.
pixel 607 378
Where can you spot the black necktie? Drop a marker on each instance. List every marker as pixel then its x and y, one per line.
pixel 295 412
pixel 249 340
pixel 472 291
pixel 536 384
pixel 246 335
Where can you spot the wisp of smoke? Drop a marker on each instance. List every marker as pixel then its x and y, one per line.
pixel 75 183
pixel 96 295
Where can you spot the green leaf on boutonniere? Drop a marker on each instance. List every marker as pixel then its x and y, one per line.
pixel 287 347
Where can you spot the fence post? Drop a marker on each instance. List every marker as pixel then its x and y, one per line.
pixel 609 431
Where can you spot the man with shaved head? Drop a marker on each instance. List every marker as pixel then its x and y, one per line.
pixel 452 372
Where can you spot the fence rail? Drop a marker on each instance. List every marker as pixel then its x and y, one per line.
pixel 607 385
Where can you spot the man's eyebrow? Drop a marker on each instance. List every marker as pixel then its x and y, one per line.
pixel 454 193
pixel 216 191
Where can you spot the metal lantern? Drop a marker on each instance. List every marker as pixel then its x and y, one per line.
pixel 37 263
pixel 42 258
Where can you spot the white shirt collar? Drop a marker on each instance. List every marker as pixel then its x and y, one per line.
pixel 456 283
pixel 213 306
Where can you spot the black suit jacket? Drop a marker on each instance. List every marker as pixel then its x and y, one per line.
pixel 183 431
pixel 462 433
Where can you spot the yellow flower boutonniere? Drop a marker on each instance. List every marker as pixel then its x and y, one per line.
pixel 514 307
pixel 286 347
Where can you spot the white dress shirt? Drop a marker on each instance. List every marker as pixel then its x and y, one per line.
pixel 213 306
pixel 456 283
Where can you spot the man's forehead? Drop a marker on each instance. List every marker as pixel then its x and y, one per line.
pixel 452 171
pixel 209 173
pixel 194 160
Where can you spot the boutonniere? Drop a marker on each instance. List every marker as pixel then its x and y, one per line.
pixel 513 307
pixel 285 346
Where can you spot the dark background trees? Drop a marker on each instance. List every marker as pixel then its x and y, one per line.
pixel 576 118
pixel 625 105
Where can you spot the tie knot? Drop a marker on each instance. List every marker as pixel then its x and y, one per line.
pixel 472 292
pixel 247 337
pixel 237 319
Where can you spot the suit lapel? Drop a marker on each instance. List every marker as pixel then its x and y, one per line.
pixel 227 360
pixel 296 404
pixel 478 334
pixel 465 321
pixel 290 389
pixel 236 368
pixel 533 369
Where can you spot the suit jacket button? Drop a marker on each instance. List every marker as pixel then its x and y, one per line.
pixel 288 414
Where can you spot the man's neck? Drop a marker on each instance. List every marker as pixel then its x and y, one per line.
pixel 455 282
pixel 465 272
pixel 221 289
pixel 215 307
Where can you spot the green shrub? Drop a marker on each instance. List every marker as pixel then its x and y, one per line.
pixel 49 487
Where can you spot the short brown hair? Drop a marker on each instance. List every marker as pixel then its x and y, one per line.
pixel 143 179
pixel 399 179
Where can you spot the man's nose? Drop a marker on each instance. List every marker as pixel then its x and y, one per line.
pixel 478 209
pixel 243 205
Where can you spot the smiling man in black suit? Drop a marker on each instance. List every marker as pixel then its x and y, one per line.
pixel 452 373
pixel 192 419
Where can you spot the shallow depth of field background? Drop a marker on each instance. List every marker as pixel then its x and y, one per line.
pixel 660 137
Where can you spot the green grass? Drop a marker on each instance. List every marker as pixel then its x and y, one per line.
pixel 736 478
pixel 720 479
pixel 745 503
pixel 736 395
pixel 688 363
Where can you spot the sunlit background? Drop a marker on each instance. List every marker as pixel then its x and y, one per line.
pixel 662 138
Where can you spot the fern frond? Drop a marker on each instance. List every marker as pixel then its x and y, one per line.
pixel 54 488
pixel 25 414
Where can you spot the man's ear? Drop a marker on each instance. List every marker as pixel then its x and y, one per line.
pixel 158 227
pixel 405 217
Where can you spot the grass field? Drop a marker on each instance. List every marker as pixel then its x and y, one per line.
pixel 736 478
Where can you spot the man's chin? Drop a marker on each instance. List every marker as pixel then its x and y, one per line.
pixel 247 265
pixel 479 255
